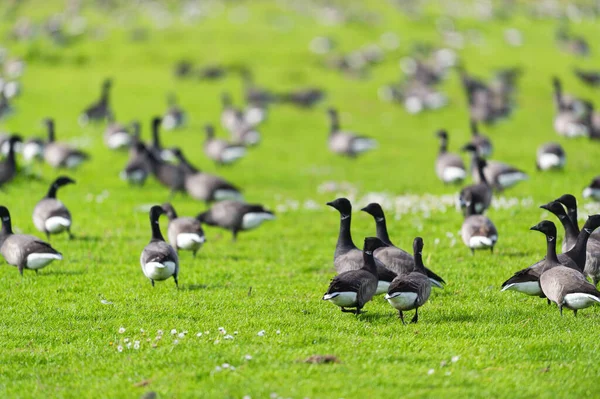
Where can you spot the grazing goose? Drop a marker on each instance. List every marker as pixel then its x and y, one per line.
pixel 100 110
pixel 235 216
pixel 481 142
pixel 347 256
pixel 593 189
pixel 60 155
pixel 24 251
pixel 8 166
pixel 347 143
pixel 116 135
pixel 184 232
pixel 550 156
pixel 412 290
pixel 569 118
pixel 481 193
pixel 449 167
pixel 50 215
pixel 175 117
pixel 477 231
pixel 354 288
pixel 33 149
pixel 156 148
pixel 139 165
pixel 159 260
pixel 394 258
pixel 220 151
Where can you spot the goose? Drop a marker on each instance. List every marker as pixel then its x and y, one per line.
pixel 244 133
pixel 211 72
pixel 593 189
pixel 159 260
pixel 576 45
pixel 477 231
pixel 60 155
pixel 449 167
pixel 589 78
pixel 24 251
pixel 184 232
pixel 220 151
pixel 481 193
pixel 33 149
pixel 116 135
pixel 6 109
pixel 550 156
pixel 175 117
pixel 139 165
pixel 412 290
pixel 481 142
pixel 167 174
pixel 568 121
pixel 303 98
pixel 100 110
pixel 564 286
pixel 50 215
pixel 395 259
pixel 354 288
pixel 156 148
pixel 229 115
pixel 499 175
pixel 252 93
pixel 235 216
pixel 8 166
pixel 347 256
pixel 203 186
pixel 571 232
pixel 347 143
pixel 570 202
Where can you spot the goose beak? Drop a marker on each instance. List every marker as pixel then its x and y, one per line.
pixel 330 203
pixel 545 206
pixel 536 228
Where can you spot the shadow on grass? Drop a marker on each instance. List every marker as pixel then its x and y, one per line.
pixel 194 287
pixel 65 272
pixel 86 238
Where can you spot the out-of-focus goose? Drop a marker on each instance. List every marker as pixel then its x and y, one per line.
pixel 169 175
pixel 412 290
pixel 480 193
pixel 139 165
pixel 354 288
pixel 593 189
pixel 184 232
pixel 550 156
pixel 394 258
pixel 116 135
pixel 481 142
pixel 8 166
pixel 33 149
pixel 159 260
pixel 243 133
pixel 303 98
pixel 219 150
pixel 477 231
pixel 156 147
pixel 24 251
pixel 236 216
pixel 100 110
pixel 449 167
pixel 569 119
pixel 229 115
pixel 60 155
pixel 50 215
pixel 499 175
pixel 252 93
pixel 175 116
pixel 589 78
pixel 347 143
pixel 576 45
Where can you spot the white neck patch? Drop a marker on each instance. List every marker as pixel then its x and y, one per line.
pixel 550 238
pixel 381 219
pixel 369 252
pixel 344 217
pixel 589 231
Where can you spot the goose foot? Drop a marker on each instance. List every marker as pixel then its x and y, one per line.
pixel 176 281
pixel 575 312
pixel 415 318
pixel 152 281
pixel 401 316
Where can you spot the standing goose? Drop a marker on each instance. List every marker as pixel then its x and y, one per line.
pixel 568 121
pixel 33 149
pixel 116 135
pixel 394 258
pixel 481 142
pixel 100 110
pixel 60 155
pixel 235 216
pixel 481 193
pixel 24 251
pixel 347 143
pixel 156 148
pixel 593 189
pixel 8 166
pixel 571 231
pixel 354 288
pixel 412 290
pixel 229 115
pixel 243 133
pixel 220 151
pixel 169 175
pixel 347 256
pixel 175 117
pixel 184 232
pixel 449 167
pixel 50 215
pixel 500 175
pixel 477 231
pixel 159 260
pixel 550 156
pixel 570 202
pixel 139 165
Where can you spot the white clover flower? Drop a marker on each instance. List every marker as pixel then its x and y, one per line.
pixel 261 333
pixel 126 340
pixel 235 333
pixel 455 359
pixel 175 341
pixel 199 334
pixel 181 335
pixel 121 330
pixel 136 345
pixel 277 332
pixel 222 330
pixel 129 345
pixel 142 330
pixel 120 348
pixel 160 332
pixel 225 365
pixel 228 336
pixel 248 357
pixel 431 371
pixel 173 331
pixel 218 368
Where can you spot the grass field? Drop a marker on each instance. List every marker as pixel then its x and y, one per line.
pixel 59 330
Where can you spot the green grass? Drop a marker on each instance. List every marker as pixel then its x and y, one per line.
pixel 59 340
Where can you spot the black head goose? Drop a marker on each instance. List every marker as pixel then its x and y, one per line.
pixel 589 78
pixel 550 156
pixel 569 119
pixel 394 258
pixel 50 215
pixel 24 251
pixel 175 116
pixel 303 98
pixel 500 175
pixel 61 155
pixel 211 72
pixel 33 149
pixel 354 288
pixel 236 216
pixel 184 232
pixel 156 147
pixel 252 93
pixel 481 193
pixel 100 110
pixel 220 151
pixel 347 256
pixel 412 290
pixel 159 260
pixel 116 135
pixel 593 189
pixel 347 143
pixel 139 165
pixel 571 232
pixel 167 174
pixel 8 166
pixel 477 231
pixel 449 167
pixel 481 142
pixel 570 202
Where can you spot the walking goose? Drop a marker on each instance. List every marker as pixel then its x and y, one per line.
pixel 481 193
pixel 395 259
pixel 184 232
pixel 50 215
pixel 235 216
pixel 449 167
pixel 100 110
pixel 354 288
pixel 8 166
pixel 347 143
pixel 550 156
pixel 481 142
pixel 159 260
pixel 220 151
pixel 412 290
pixel 60 155
pixel 477 231
pixel 24 251
pixel 347 256
pixel 139 165
pixel 175 116
pixel 593 189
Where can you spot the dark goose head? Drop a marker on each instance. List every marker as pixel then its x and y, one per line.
pixel 333 119
pixel 370 245
pixel 418 254
pixel 49 123
pixel 6 223
pixel 169 210
pixel 155 213
pixel 210 131
pixel 570 202
pixel 59 182
pixel 375 210
pixel 443 136
pixel 156 121
pixel 343 206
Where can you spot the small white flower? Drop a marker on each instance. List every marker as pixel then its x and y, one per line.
pixel 181 335
pixel 277 332
pixel 105 302
pixel 248 357
pixel 455 359
pixel 218 368
pixel 222 330
pixel 173 331
pixel 126 340
pixel 273 395
pixel 175 341
pixel 228 336
pixel 160 332
pixel 206 332
pixel 120 348
pixel 199 334
pixel 247 397
pixel 136 345
pixel 235 333
pixel 184 332
pixel 158 337
pixel 261 333
pixel 129 345
pixel 232 368
pixel 431 371
pixel 448 373
pixel 142 330
pixel 121 330
pixel 225 365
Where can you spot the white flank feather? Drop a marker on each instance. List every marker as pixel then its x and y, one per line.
pixel 402 300
pixel 526 287
pixel 579 300
pixel 478 242
pixel 119 140
pixel 57 224
pixel 189 241
pixel 452 174
pixel 159 271
pixel 37 261
pixel 342 299
pixel 550 161
pixel 255 219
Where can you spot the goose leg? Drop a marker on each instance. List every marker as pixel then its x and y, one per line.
pixel 47 235
pixel 69 232
pixel 595 280
pixel 575 312
pixel 194 253
pixel 176 281
pixel 415 318
pixel 401 316
pixel 492 249
pixel 21 267
pixel 560 309
pixel 235 233
pixel 152 281
pixel 347 310
pixel 549 301
pixel 472 251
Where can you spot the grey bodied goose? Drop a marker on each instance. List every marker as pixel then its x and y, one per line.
pixel 100 110
pixel 564 286
pixel 449 167
pixel 220 151
pixel 499 175
pixel 236 216
pixel 139 165
pixel 156 148
pixel 61 155
pixel 159 260
pixel 8 166
pixel 482 143
pixel 175 116
pixel 184 232
pixel 346 143
pixel 477 231
pixel 24 251
pixel 550 156
pixel 169 175
pixel 116 135
pixel 481 193
pixel 33 149
pixel 593 189
pixel 229 114
pixel 569 119
pixel 571 231
pixel 570 202
pixel 347 256
pixel 354 288
pixel 51 216
pixel 395 259
pixel 412 290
